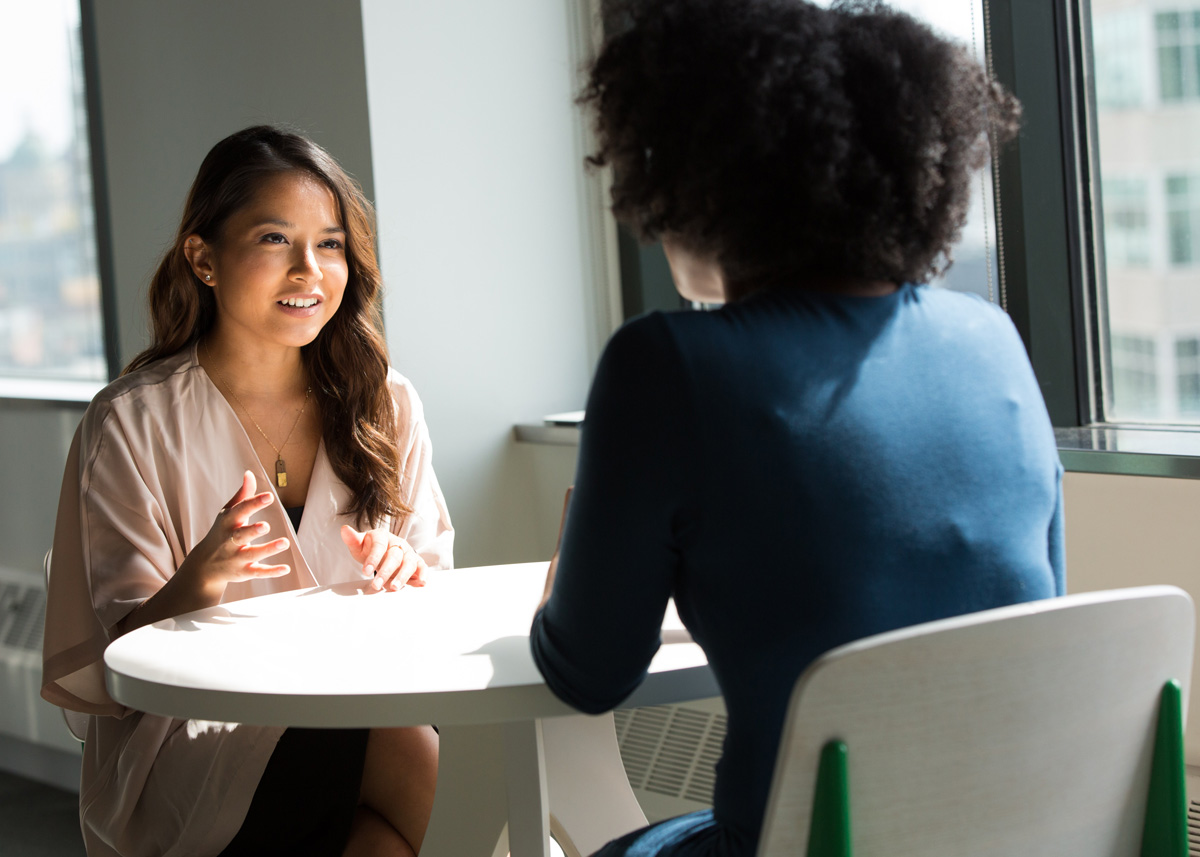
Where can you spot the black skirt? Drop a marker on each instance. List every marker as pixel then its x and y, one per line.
pixel 307 797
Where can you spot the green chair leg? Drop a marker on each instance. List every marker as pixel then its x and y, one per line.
pixel 1165 831
pixel 829 830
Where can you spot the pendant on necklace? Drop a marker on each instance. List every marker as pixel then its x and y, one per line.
pixel 280 473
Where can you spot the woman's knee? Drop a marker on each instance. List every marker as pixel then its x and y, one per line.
pixel 400 778
pixel 371 834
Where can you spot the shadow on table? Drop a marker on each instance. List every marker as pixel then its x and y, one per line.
pixel 191 622
pixel 346 588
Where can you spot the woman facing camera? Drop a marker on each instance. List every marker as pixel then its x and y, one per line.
pixel 839 450
pixel 260 444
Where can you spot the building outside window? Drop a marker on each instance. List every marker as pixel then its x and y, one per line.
pixel 1135 374
pixel 1187 375
pixel 1178 37
pixel 1183 218
pixel 1126 223
pixel 51 326
pixel 1148 156
pixel 1119 40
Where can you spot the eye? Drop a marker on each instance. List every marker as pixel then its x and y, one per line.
pixel 331 244
pixel 274 238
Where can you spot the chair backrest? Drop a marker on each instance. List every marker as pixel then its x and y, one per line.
pixel 77 721
pixel 1026 730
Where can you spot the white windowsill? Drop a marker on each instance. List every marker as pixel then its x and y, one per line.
pixel 50 390
pixel 1167 451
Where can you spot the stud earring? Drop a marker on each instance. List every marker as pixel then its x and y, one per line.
pixel 207 277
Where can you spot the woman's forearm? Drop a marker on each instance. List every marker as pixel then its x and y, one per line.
pixel 183 593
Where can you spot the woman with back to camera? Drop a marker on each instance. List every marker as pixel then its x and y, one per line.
pixel 267 380
pixel 836 452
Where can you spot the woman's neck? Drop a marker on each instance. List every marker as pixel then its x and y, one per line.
pixel 848 286
pixel 255 371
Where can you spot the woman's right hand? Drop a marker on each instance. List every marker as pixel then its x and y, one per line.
pixel 228 554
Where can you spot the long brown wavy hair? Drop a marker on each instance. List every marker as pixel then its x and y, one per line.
pixel 347 363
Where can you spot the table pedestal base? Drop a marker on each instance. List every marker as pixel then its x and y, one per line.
pixel 513 784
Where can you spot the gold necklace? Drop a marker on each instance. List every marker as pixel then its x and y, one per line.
pixel 280 467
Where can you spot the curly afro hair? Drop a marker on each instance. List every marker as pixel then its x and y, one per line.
pixel 793 143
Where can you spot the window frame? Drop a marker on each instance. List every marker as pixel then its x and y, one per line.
pixel 1047 199
pixel 105 269
pixel 73 392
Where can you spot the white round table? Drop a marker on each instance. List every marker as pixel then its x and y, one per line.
pixel 454 653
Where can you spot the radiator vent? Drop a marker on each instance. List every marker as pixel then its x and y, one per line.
pixel 24 715
pixel 1193 828
pixel 22 615
pixel 671 750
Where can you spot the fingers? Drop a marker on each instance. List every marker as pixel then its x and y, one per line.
pixel 400 564
pixel 261 570
pixel 245 508
pixel 251 557
pixel 253 553
pixel 375 545
pixel 249 483
pixel 245 535
pixel 354 541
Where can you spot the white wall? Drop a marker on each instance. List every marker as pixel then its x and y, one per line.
pixel 1134 531
pixel 495 306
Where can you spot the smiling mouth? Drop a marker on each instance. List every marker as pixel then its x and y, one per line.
pixel 299 302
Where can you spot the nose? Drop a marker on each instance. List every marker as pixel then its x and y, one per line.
pixel 305 268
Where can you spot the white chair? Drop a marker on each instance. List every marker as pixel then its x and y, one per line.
pixel 77 722
pixel 1022 731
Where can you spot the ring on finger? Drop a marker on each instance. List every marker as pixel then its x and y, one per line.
pixel 233 542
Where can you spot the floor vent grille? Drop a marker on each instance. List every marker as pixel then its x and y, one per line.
pixel 22 615
pixel 671 750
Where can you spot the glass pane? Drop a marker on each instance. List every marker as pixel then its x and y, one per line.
pixel 1187 376
pixel 1170 73
pixel 50 319
pixel 1167 22
pixel 1120 77
pixel 1126 222
pixel 975 267
pixel 1149 162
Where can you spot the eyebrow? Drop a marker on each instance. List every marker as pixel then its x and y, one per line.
pixel 287 224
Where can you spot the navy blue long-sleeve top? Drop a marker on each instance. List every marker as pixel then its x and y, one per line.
pixel 798 469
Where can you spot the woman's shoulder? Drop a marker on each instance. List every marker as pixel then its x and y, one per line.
pixel 969 317
pixel 161 376
pixel 964 304
pixel 654 335
pixel 157 390
pixel 409 409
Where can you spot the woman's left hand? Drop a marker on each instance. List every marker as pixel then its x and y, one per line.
pixel 388 559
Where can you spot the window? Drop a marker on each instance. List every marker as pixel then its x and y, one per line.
pixel 1135 376
pixel 51 325
pixel 1178 37
pixel 1187 376
pixel 1143 301
pixel 1183 218
pixel 1126 223
pixel 1120 67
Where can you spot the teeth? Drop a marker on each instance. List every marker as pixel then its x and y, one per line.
pixel 300 302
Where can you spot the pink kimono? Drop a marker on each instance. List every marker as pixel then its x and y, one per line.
pixel 159 452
